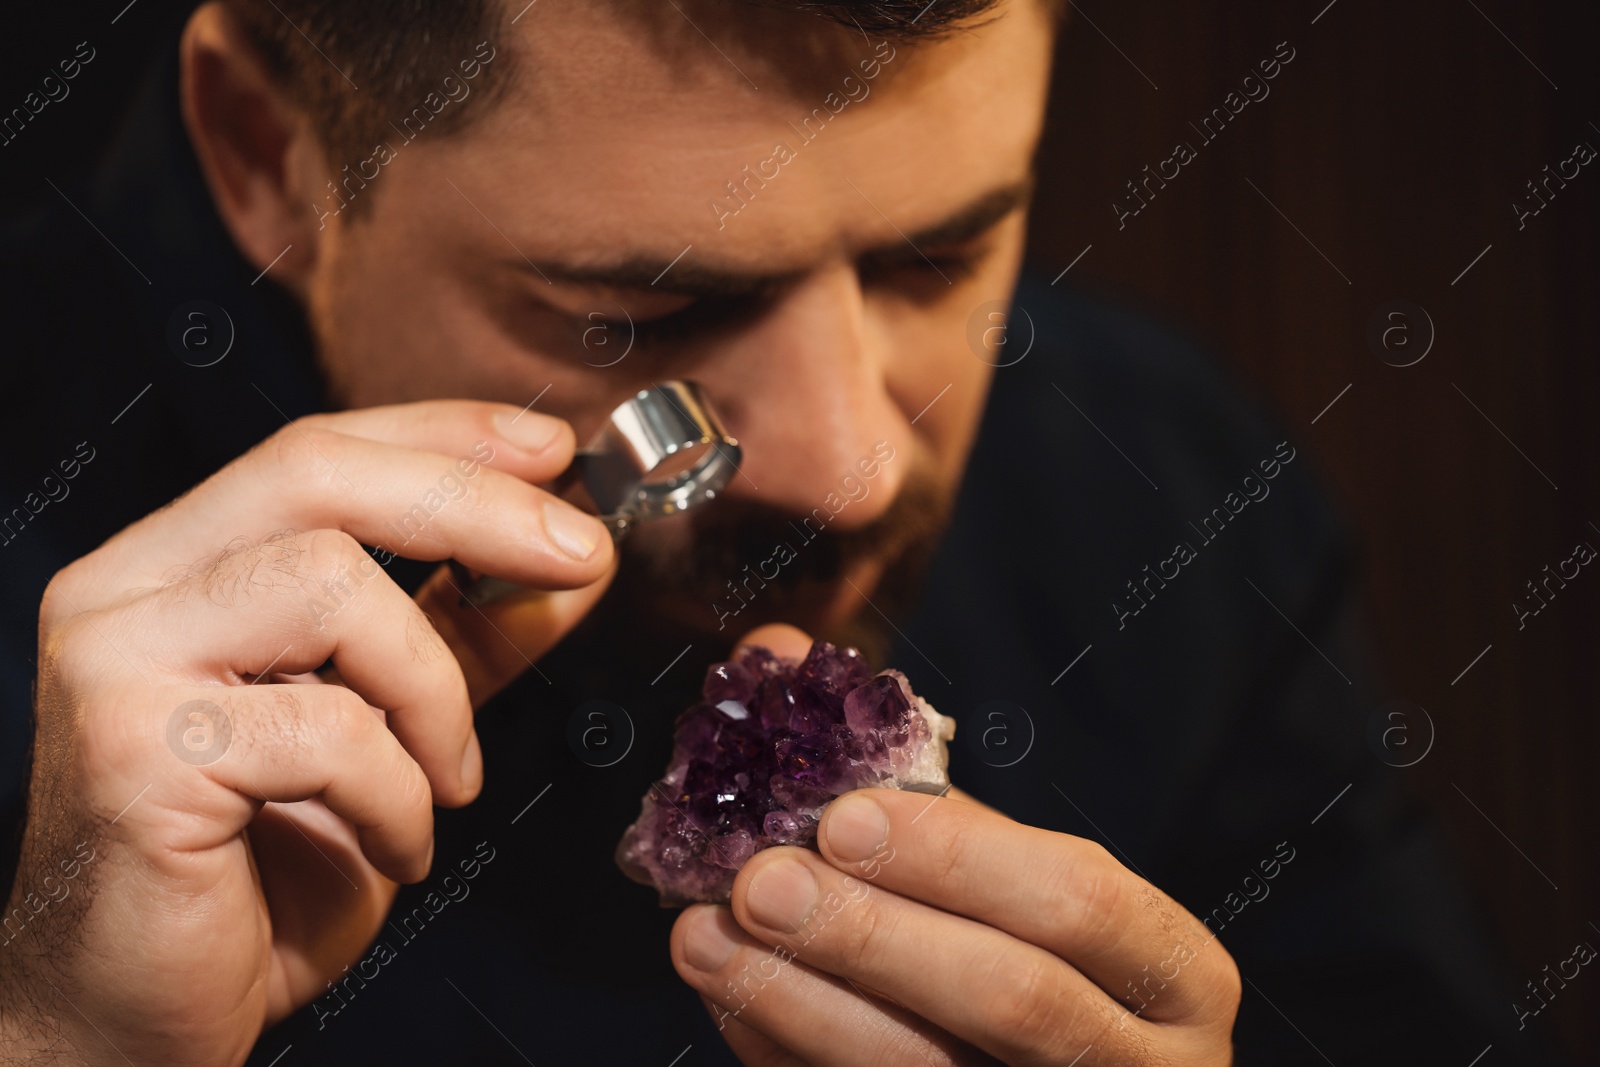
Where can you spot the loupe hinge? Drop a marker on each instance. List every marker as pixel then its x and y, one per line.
pixel 619 525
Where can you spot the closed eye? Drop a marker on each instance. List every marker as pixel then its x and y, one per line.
pixel 938 265
pixel 704 316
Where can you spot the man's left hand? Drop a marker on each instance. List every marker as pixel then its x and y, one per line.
pixel 934 930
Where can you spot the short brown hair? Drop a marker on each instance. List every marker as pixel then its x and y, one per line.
pixel 399 51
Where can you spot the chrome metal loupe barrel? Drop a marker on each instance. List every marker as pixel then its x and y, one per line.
pixel 662 451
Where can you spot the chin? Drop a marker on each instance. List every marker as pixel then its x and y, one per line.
pixel 692 614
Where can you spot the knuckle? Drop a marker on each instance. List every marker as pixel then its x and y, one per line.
pixel 871 937
pixel 411 788
pixel 315 438
pixel 426 644
pixel 337 573
pixel 304 447
pixel 241 568
pixel 331 554
pixel 271 724
pixel 348 720
pixel 64 651
pixel 408 799
pixel 60 594
pixel 1233 985
pixel 1091 887
pixel 1094 852
pixel 1031 1002
pixel 1228 985
pixel 81 660
pixel 956 848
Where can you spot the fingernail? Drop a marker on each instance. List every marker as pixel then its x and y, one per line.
pixel 857 827
pixel 712 940
pixel 472 764
pixel 529 432
pixel 782 895
pixel 574 533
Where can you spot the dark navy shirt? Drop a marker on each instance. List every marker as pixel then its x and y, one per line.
pixel 1164 629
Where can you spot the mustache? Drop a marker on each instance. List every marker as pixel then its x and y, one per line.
pixel 768 564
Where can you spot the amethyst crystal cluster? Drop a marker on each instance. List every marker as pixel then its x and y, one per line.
pixel 769 744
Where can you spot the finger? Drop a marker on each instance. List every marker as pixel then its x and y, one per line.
pixel 283 744
pixel 1010 998
pixel 1063 893
pixel 781 639
pixel 306 856
pixel 422 505
pixel 493 642
pixel 965 797
pixel 541 446
pixel 291 604
pixel 819 1018
pixel 496 642
pixel 751 1046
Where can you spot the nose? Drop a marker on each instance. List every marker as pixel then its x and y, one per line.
pixel 805 389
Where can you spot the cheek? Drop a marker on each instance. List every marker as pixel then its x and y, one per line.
pixel 932 348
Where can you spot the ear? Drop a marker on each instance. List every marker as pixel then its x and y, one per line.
pixel 257 150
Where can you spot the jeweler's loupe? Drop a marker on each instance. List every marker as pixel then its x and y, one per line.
pixel 662 451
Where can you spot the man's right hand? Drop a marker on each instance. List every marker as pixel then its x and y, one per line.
pixel 215 829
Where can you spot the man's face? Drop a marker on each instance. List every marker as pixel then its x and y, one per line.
pixel 825 308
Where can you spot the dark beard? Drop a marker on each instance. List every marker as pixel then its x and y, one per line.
pixel 666 586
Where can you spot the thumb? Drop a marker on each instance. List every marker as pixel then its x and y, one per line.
pixel 779 638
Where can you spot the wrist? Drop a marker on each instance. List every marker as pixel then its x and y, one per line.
pixel 30 1033
pixel 35 1027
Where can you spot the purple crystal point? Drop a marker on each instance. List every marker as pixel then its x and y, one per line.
pixel 775 702
pixel 770 743
pixel 830 673
pixel 732 680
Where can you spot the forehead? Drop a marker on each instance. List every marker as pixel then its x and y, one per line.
pixel 622 124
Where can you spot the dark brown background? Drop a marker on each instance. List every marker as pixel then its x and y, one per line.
pixel 1396 140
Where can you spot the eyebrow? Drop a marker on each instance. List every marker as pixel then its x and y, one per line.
pixel 684 277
